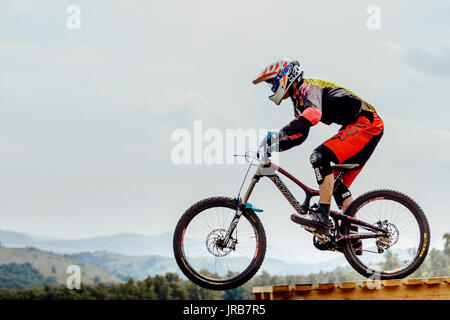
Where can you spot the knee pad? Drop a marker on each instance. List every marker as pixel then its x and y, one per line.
pixel 340 194
pixel 321 164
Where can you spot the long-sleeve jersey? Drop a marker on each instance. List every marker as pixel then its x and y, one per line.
pixel 318 100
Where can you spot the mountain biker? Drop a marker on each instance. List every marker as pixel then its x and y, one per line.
pixel 323 101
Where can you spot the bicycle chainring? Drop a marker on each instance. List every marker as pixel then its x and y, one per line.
pixel 323 244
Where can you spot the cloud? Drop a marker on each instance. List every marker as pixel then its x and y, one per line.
pixel 89 57
pixel 394 46
pixel 435 62
pixel 182 98
pixel 412 140
pixel 23 6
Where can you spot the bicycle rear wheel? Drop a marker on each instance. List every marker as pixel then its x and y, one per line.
pixel 200 254
pixel 404 249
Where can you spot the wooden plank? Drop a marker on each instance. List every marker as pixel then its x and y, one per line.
pixel 392 283
pixel 326 286
pixel 348 285
pixel 281 288
pixel 406 289
pixel 262 289
pixel 257 295
pixel 303 287
pixel 433 281
pixel 413 282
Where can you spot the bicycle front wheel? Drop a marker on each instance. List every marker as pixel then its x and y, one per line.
pixel 402 250
pixel 199 250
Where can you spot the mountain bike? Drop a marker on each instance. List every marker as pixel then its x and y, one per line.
pixel 219 243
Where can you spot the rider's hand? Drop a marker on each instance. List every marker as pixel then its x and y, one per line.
pixel 273 138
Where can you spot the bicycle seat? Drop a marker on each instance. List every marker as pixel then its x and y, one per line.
pixel 345 166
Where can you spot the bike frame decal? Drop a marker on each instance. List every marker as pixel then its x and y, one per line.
pixel 359 236
pixel 393 271
pixel 287 194
pixel 425 240
pixel 182 235
pixel 256 251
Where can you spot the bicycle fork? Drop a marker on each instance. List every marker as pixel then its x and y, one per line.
pixel 242 204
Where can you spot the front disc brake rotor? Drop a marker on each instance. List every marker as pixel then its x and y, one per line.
pixel 214 243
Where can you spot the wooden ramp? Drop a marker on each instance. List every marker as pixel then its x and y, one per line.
pixel 404 289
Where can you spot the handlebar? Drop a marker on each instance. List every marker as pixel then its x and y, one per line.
pixel 262 153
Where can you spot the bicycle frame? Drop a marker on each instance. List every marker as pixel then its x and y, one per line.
pixel 267 169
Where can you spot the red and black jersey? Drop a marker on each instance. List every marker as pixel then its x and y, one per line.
pixel 318 100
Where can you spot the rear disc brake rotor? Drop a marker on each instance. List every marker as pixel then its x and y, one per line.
pixel 392 235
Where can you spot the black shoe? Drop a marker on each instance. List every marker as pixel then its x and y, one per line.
pixel 318 221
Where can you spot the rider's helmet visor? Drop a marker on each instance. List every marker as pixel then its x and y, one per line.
pixel 273 83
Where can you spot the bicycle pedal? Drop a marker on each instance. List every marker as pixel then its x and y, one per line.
pixel 310 229
pixel 322 236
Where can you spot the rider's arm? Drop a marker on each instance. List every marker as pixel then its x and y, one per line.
pixel 308 118
pixel 286 144
pixel 297 130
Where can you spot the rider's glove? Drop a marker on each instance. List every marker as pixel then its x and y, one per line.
pixel 273 138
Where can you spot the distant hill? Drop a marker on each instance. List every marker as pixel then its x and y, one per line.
pixel 54 265
pixel 138 267
pixel 124 243
pixel 22 276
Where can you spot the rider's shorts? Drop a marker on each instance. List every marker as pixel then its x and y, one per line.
pixel 355 143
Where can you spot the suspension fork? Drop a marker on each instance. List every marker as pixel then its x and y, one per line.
pixel 241 205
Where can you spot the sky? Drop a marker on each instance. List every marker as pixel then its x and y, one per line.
pixel 87 115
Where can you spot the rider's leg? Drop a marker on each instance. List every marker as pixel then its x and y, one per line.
pixel 325 194
pixel 346 203
pixel 342 196
pixel 321 161
pixel 326 189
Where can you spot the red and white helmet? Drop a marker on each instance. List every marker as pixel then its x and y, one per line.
pixel 280 74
